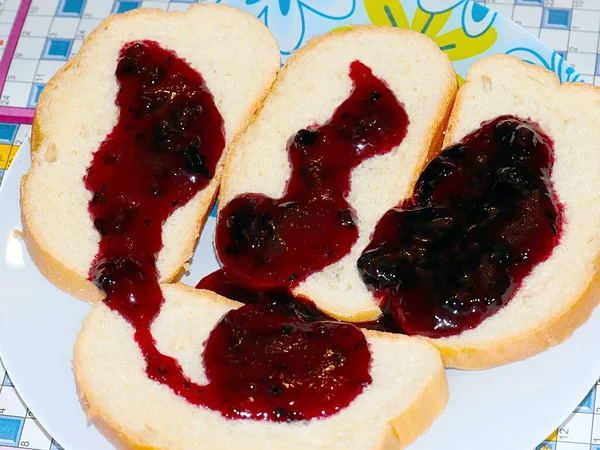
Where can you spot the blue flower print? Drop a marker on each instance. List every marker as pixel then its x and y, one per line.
pixel 287 19
pixel 552 61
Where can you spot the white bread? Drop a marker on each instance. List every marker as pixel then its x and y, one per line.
pixel 561 292
pixel 237 57
pixel 408 390
pixel 312 85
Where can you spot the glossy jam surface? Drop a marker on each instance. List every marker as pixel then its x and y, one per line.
pixel 264 361
pixel 267 243
pixel 483 214
pixel 282 367
pixel 293 361
pixel 163 150
pixel 219 283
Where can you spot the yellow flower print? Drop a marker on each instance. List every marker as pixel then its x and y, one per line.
pixel 391 13
pixel 473 38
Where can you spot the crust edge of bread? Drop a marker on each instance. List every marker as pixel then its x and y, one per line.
pixel 526 343
pixel 51 267
pixel 421 414
pixel 402 431
pixel 55 270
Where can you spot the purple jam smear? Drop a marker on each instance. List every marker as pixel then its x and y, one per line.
pixel 282 367
pixel 295 362
pixel 218 283
pixel 165 149
pixel 267 243
pixel 482 216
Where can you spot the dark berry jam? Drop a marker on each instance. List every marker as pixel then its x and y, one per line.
pixel 483 214
pixel 265 361
pixel 219 283
pixel 267 243
pixel 163 151
pixel 283 368
pixel 293 361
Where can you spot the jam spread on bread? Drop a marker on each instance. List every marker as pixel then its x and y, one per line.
pixel 267 243
pixel 218 282
pixel 482 215
pixel 300 363
pixel 265 361
pixel 284 366
pixel 163 150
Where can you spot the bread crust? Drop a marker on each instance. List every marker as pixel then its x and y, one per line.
pixel 549 332
pixel 411 423
pixel 70 279
pixel 54 270
pixel 403 429
pixel 421 414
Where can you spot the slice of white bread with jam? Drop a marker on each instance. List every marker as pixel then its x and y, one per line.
pixel 561 292
pixel 314 82
pixel 238 59
pixel 407 392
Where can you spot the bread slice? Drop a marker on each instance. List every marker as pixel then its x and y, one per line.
pixel 312 85
pixel 238 59
pixel 561 292
pixel 408 390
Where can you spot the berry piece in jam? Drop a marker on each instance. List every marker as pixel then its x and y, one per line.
pixel 483 214
pixel 267 243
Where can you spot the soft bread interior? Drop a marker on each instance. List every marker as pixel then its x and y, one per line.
pixel 557 296
pixel 238 59
pixel 313 84
pixel 408 390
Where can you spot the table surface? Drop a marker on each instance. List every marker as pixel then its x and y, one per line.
pixel 38 36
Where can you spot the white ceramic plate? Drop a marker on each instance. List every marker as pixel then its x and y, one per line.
pixel 512 407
